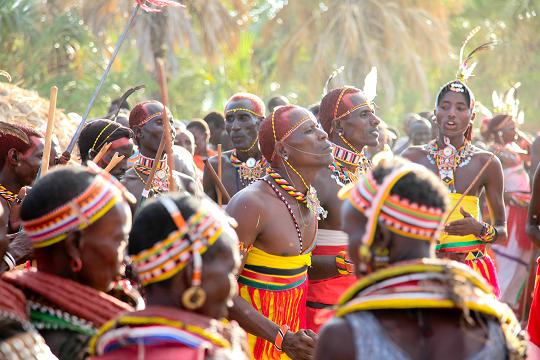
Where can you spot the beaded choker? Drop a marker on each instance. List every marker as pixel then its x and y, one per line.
pixel 144 165
pixel 187 243
pixel 7 195
pixel 81 212
pixel 250 170
pixel 448 159
pixel 309 199
pixel 340 173
pixel 399 215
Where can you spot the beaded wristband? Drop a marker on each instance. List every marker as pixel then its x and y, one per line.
pixel 343 263
pixel 278 342
pixel 488 233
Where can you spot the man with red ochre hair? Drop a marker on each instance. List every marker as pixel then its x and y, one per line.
pixel 277 221
pixel 244 164
pixel 21 150
pixel 350 121
pixel 145 120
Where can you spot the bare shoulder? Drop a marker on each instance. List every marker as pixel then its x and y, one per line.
pixel 335 341
pixel 254 197
pixel 414 153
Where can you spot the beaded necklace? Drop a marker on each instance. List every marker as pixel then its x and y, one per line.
pixel 288 206
pixel 49 318
pixel 248 171
pixel 340 173
pixel 10 197
pixel 448 159
pixel 309 199
pixel 144 165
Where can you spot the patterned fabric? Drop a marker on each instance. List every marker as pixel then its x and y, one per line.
pixel 275 286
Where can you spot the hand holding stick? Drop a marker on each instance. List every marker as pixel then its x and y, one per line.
pixel 217 181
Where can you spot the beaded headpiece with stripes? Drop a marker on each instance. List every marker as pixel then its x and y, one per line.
pixel 401 216
pixel 79 213
pixel 187 243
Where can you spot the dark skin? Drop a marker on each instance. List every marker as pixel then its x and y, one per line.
pixel 453 116
pixel 243 128
pixel 420 132
pixel 220 265
pixel 119 170
pixel 100 248
pixel 19 171
pixel 148 138
pixel 201 140
pixel 448 337
pixel 533 219
pixel 265 225
pixel 360 129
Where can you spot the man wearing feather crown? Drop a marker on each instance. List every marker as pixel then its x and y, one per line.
pixel 467 171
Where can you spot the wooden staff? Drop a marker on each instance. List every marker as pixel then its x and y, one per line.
pixel 114 161
pixel 49 133
pixel 166 123
pixel 150 179
pixel 217 181
pixel 219 173
pixel 469 188
pixel 101 153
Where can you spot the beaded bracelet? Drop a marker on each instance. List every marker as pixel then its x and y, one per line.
pixel 343 263
pixel 488 233
pixel 278 342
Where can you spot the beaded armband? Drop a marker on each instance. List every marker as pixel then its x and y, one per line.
pixel 488 233
pixel 343 263
pixel 280 336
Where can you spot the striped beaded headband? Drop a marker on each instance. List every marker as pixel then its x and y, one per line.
pixel 149 118
pixel 401 216
pixel 100 196
pixel 188 242
pixel 243 109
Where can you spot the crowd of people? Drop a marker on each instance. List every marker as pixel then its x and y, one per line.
pixel 293 232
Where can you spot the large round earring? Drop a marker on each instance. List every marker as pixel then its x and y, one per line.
pixel 193 298
pixel 76 265
pixel 340 132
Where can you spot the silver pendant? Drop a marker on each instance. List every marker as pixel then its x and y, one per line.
pixel 314 205
pixel 251 162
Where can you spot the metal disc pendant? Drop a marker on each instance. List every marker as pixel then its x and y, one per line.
pixel 251 162
pixel 161 174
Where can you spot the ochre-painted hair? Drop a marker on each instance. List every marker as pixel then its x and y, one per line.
pixel 276 126
pixel 9 139
pixel 333 106
pixel 140 113
pixel 257 105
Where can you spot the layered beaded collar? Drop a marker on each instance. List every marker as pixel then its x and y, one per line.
pixel 144 165
pixel 340 173
pixel 7 195
pixel 250 170
pixel 448 159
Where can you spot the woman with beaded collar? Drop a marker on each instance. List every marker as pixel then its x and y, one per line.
pixel 467 171
pixel 407 304
pixel 78 220
pixel 348 117
pixel 244 164
pixel 277 222
pixel 185 254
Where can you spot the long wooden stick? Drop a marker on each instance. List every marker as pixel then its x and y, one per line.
pixel 166 123
pixel 48 134
pixel 219 184
pixel 114 161
pixel 469 188
pixel 219 173
pixel 152 174
pixel 101 153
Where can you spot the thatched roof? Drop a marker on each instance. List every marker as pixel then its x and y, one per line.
pixel 26 107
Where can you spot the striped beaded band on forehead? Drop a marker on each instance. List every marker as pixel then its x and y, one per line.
pixel 188 243
pixel 232 111
pixel 78 214
pixel 401 216
pixel 150 118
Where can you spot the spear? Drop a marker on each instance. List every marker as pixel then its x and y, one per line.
pixel 141 4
